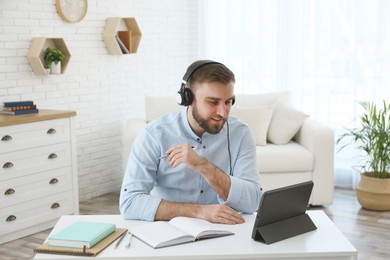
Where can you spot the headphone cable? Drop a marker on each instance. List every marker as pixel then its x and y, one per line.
pixel 230 155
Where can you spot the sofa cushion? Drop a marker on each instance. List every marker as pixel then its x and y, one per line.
pixel 285 123
pixel 257 118
pixel 291 157
pixel 253 100
pixel 156 106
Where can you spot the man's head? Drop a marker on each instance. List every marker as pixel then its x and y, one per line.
pixel 211 87
pixel 212 73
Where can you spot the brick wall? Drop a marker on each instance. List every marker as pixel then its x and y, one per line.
pixel 103 89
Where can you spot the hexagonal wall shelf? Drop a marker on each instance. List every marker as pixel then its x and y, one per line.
pixel 122 35
pixel 36 53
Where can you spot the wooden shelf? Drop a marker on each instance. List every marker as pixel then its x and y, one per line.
pixel 44 114
pixel 36 53
pixel 116 24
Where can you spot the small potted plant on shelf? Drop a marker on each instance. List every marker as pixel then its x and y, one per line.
pixel 53 59
pixel 373 139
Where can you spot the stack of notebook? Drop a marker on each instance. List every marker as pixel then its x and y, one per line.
pixel 81 238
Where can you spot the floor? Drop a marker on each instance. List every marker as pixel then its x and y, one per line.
pixel 368 231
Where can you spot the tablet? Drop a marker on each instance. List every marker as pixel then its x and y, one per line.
pixel 282 203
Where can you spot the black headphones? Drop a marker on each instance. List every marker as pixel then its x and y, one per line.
pixel 185 96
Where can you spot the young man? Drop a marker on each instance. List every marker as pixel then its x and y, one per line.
pixel 197 162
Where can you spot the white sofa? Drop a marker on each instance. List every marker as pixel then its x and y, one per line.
pixel 304 148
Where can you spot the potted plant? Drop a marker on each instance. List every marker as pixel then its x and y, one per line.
pixel 372 137
pixel 53 59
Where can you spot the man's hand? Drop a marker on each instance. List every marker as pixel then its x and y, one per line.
pixel 220 213
pixel 184 153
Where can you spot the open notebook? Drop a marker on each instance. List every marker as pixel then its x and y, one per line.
pixel 178 230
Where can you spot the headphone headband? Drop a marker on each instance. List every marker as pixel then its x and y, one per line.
pixel 194 67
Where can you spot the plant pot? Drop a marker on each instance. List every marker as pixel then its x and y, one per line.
pixel 55 68
pixel 373 193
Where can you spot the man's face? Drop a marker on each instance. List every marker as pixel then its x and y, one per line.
pixel 211 107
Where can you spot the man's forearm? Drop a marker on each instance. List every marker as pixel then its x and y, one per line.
pixel 168 210
pixel 215 177
pixel 216 213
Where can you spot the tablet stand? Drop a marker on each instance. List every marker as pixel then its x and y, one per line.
pixel 283 229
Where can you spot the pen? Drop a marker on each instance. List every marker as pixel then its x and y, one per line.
pixel 120 240
pixel 166 155
pixel 129 241
pixel 163 156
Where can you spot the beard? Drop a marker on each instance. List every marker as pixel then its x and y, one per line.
pixel 206 123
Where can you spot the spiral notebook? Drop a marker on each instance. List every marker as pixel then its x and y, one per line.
pixel 93 251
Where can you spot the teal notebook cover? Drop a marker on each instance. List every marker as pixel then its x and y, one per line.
pixel 81 233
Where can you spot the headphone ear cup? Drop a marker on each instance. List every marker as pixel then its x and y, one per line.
pixel 187 97
pixel 179 98
pixel 184 96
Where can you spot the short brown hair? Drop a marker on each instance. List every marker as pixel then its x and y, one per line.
pixel 214 72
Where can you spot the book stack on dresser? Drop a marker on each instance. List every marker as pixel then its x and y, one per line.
pixel 18 108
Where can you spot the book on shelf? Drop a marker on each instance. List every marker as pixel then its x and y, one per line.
pixel 17 108
pixel 126 38
pixel 93 251
pixel 178 230
pixel 19 112
pixel 80 234
pixel 17 103
pixel 122 45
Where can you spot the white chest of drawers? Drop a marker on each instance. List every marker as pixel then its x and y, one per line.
pixel 38 172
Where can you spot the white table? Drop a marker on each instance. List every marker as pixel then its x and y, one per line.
pixel 327 242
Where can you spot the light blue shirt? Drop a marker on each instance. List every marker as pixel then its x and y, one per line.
pixel 148 179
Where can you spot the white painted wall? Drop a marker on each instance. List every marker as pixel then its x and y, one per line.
pixel 103 89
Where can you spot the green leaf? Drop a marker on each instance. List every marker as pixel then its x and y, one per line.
pixel 53 55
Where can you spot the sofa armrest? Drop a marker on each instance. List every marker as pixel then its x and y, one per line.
pixel 319 139
pixel 132 128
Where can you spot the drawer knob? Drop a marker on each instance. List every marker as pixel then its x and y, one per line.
pixel 9 192
pixel 55 205
pixel 8 165
pixel 6 138
pixel 52 156
pixel 11 218
pixel 53 181
pixel 51 131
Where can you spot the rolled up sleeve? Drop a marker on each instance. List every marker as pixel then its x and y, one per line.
pixel 245 190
